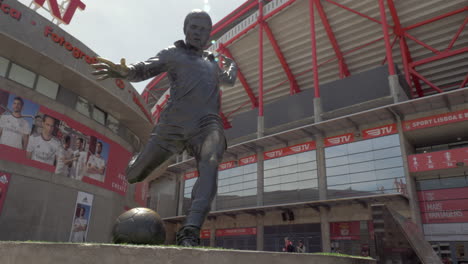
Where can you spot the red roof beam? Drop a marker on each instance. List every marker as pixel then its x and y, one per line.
pixel 458 33
pixel 244 9
pixel 344 72
pixel 421 43
pixel 243 32
pixel 465 81
pixel 441 55
pixel 415 73
pixel 241 77
pixel 353 11
pixel 391 46
pixel 437 18
pixel 293 87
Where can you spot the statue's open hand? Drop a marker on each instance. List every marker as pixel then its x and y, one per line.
pixel 107 69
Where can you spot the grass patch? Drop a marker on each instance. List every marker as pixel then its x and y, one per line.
pixel 109 244
pixel 340 255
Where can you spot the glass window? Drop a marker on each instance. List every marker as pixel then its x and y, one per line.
pixel 271 181
pixel 3 66
pixel 288 160
pixel 22 76
pixel 250 177
pixel 387 153
pixel 386 142
pixel 250 184
pixel 337 161
pixel 337 180
pixel 307 166
pixel 82 106
pixel 306 156
pixel 360 157
pixel 250 168
pixel 364 186
pixel 99 116
pixel 307 175
pixel 336 151
pixel 363 166
pixel 360 146
pixel 272 188
pixel 390 173
pixel 47 87
pixel 309 184
pixel 389 163
pixel 339 170
pixel 271 164
pixel 363 176
pixel 112 123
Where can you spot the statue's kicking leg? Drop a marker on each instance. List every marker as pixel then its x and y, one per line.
pixel 208 149
pixel 152 156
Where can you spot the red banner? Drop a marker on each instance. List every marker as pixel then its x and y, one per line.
pixel 205 234
pixel 370 226
pixel 248 160
pixel 444 205
pixel 50 141
pixel 237 231
pixel 227 165
pixel 345 231
pixel 4 181
pixel 299 148
pixel 141 193
pixel 338 140
pixel 443 194
pixel 191 175
pixel 379 131
pixel 436 120
pixel 437 160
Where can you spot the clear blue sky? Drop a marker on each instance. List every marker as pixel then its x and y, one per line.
pixel 136 30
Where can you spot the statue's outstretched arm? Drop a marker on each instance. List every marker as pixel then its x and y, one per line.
pixel 107 69
pixel 134 72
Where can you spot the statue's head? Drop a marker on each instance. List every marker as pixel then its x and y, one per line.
pixel 197 28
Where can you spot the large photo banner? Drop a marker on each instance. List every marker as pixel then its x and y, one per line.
pixel 4 181
pixel 81 216
pixel 36 136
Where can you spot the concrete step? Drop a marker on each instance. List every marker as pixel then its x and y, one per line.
pixel 61 253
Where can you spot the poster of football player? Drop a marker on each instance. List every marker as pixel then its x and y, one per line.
pixel 44 146
pixel 73 152
pixel 17 116
pixel 82 214
pixel 80 155
pixel 97 161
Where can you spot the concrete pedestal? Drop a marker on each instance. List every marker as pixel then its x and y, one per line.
pixel 55 253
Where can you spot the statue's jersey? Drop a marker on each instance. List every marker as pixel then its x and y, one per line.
pixel 194 88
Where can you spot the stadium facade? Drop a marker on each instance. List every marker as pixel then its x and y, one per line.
pixel 65 139
pixel 347 129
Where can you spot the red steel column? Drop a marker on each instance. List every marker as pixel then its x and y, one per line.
pixel 388 47
pixel 260 58
pixel 314 49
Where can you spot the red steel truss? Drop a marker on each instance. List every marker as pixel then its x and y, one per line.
pixel 392 33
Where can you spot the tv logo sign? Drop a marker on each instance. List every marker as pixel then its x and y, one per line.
pixel 273 154
pixel 379 131
pixel 248 160
pixel 61 13
pixel 338 140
